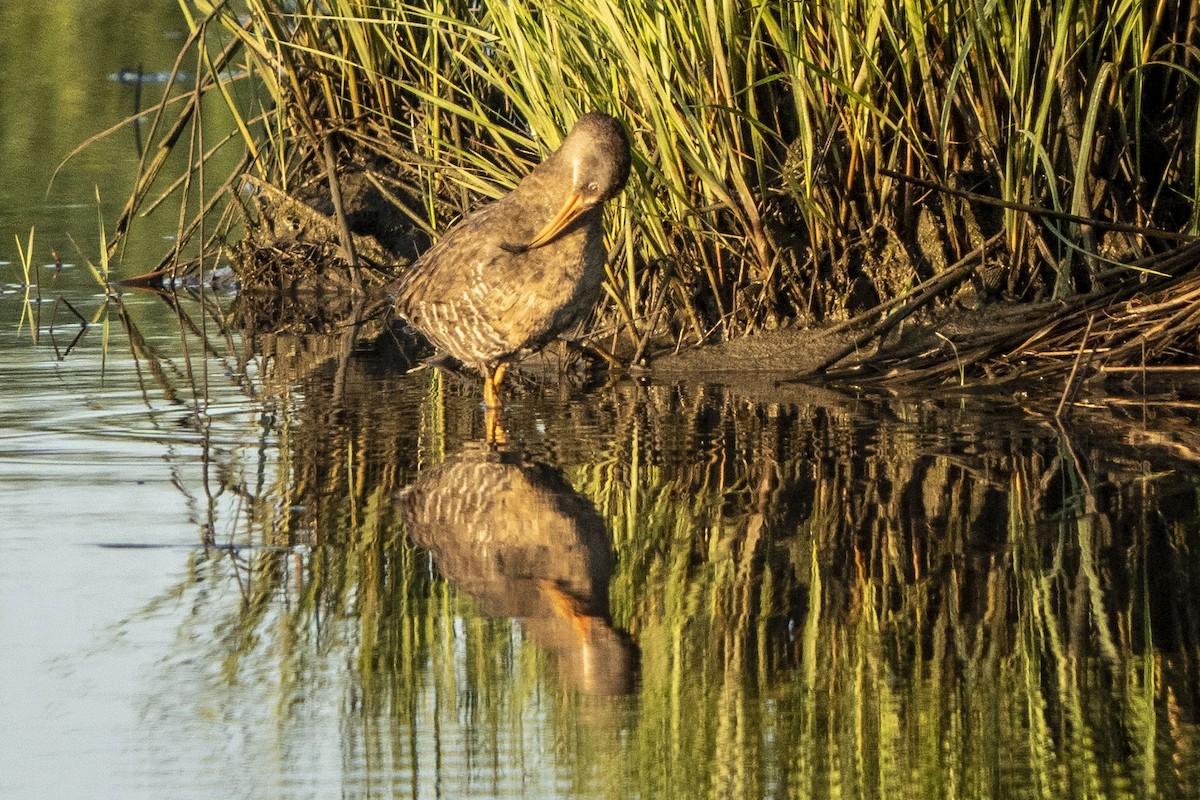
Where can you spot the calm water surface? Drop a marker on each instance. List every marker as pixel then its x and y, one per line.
pixel 251 566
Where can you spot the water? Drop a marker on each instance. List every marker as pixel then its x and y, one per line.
pixel 238 566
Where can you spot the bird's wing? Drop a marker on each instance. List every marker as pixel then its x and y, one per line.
pixel 471 277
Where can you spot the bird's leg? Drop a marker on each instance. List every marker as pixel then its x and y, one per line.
pixel 491 385
pixel 491 404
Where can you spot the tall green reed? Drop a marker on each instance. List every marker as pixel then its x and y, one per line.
pixel 768 135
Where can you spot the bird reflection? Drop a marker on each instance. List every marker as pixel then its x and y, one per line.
pixel 514 535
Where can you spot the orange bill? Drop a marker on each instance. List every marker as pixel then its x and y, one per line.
pixel 562 218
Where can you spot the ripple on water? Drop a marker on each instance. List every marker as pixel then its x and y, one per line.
pixel 77 415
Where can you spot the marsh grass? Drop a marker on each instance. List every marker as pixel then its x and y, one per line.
pixel 100 271
pixel 773 141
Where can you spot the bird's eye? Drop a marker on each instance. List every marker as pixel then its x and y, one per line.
pixel 592 187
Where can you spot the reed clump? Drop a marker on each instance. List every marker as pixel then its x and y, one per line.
pixel 795 161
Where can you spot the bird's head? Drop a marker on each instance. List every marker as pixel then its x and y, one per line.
pixel 597 151
pixel 595 157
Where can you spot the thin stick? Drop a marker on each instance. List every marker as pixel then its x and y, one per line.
pixel 1165 368
pixel 1141 401
pixel 339 213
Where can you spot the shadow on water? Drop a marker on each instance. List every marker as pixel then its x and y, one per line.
pixel 674 590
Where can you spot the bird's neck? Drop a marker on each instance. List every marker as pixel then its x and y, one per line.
pixel 548 183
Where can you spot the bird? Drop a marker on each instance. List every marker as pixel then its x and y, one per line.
pixel 507 279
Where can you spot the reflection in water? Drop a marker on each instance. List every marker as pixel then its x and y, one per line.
pixel 827 596
pixel 515 536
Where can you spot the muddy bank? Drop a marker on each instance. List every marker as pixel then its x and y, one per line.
pixel 856 346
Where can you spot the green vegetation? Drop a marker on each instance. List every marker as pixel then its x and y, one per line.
pixel 100 272
pixel 795 163
pixel 770 136
pixel 831 596
pixel 829 599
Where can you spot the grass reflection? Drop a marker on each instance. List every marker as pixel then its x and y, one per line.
pixel 830 596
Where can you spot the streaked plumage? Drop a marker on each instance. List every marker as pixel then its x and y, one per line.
pixel 519 271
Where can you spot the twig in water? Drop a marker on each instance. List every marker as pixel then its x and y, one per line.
pixel 83 328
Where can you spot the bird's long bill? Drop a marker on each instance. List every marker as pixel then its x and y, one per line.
pixel 562 218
